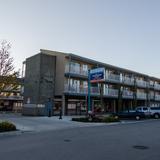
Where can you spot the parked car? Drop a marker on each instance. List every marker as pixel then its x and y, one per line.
pixel 155 112
pixel 144 109
pixel 149 111
pixel 130 114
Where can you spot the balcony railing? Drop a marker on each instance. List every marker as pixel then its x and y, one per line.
pixel 151 86
pixel 111 92
pixel 71 89
pixel 141 95
pixel 76 70
pixel 127 94
pixel 141 83
pixel 129 81
pixel 157 97
pixel 81 90
pixel 157 86
pixel 95 91
pixel 151 96
pixel 113 77
pixel 82 72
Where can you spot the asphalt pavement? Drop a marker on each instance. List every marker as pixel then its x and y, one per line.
pixel 124 141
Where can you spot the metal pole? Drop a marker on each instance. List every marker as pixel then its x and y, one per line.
pixel 101 96
pixel 89 90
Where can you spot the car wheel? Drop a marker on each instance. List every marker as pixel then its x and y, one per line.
pixel 137 117
pixel 156 116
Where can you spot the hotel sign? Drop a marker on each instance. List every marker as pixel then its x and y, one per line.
pixel 97 75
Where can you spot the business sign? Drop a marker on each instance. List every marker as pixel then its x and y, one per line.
pixel 97 75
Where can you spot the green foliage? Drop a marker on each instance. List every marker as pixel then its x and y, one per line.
pixel 110 119
pixel 7 126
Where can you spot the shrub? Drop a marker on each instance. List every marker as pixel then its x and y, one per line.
pixel 103 119
pixel 7 126
pixel 87 119
pixel 110 119
pixel 81 119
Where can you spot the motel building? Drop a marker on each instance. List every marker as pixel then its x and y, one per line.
pixel 12 99
pixel 63 77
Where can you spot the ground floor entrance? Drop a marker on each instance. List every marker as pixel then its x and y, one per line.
pixel 78 105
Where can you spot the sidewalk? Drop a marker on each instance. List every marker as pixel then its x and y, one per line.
pixel 37 124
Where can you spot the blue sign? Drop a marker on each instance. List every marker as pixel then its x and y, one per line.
pixel 97 75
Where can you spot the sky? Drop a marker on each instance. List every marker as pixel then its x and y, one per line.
pixel 124 33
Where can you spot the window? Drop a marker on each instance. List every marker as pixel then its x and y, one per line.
pixel 155 108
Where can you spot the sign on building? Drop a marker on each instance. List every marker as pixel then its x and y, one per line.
pixel 97 75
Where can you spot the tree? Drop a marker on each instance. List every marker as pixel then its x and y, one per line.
pixel 8 75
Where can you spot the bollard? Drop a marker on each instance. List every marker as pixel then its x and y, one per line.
pixel 60 113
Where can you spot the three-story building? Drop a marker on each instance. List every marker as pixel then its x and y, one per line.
pixel 64 78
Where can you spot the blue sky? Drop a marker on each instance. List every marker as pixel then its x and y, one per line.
pixel 125 33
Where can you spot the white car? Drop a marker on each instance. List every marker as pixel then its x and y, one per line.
pixel 149 111
pixel 155 112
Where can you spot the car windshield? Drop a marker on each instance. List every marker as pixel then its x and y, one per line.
pixel 138 109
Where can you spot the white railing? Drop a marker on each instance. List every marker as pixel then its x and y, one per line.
pixel 71 88
pixel 128 94
pixel 141 83
pixel 82 72
pixel 151 95
pixel 81 90
pixel 75 70
pixel 113 77
pixel 141 95
pixel 151 85
pixel 111 92
pixel 128 80
pixel 157 97
pixel 157 86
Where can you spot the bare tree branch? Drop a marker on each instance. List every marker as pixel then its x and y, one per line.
pixel 8 77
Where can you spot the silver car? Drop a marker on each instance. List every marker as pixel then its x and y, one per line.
pixel 149 111
pixel 144 109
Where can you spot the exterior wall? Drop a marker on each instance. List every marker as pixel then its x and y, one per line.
pixel 32 79
pixel 60 66
pixel 59 72
pixel 47 78
pixel 39 79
